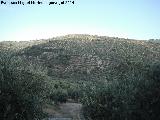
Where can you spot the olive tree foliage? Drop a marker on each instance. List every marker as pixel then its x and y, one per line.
pixel 22 89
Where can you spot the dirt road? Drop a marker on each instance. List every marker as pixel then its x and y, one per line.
pixel 65 111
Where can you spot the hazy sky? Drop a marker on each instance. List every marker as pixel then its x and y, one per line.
pixel 138 19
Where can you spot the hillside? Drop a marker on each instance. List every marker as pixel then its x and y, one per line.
pixel 77 55
pixel 114 78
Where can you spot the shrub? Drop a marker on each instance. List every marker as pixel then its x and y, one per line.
pixel 59 96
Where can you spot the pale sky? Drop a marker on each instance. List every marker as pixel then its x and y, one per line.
pixel 137 19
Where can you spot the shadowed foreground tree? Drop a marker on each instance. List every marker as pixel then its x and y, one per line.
pixel 137 97
pixel 22 90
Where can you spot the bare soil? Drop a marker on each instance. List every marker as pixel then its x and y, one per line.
pixel 65 110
